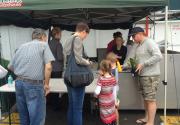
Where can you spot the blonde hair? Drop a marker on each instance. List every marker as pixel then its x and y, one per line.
pixel 112 57
pixel 105 66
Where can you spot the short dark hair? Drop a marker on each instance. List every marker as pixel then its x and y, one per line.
pixel 117 34
pixel 82 26
pixel 55 31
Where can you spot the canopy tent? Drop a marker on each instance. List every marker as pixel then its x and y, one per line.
pixel 99 14
pixel 68 4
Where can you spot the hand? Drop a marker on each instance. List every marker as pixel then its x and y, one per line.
pixel 139 68
pixel 100 72
pixel 91 62
pixel 46 89
pixel 119 57
pixel 124 67
pixel 117 103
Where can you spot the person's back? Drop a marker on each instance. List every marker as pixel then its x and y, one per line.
pixel 32 65
pixel 57 65
pixel 106 99
pixel 30 61
pixel 114 70
pixel 105 89
pixel 76 95
pixel 57 51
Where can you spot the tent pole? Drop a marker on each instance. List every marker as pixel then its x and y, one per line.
pixel 147 26
pixel 49 34
pixel 165 65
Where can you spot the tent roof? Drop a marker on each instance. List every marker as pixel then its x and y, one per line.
pixel 69 4
pixel 99 14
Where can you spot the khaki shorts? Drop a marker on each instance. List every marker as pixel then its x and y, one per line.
pixel 148 87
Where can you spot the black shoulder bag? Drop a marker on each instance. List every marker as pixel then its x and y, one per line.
pixel 77 75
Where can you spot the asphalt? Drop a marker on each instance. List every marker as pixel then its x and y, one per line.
pixel 57 114
pixel 127 117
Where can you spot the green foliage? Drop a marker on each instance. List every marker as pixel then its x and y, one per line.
pixel 4 63
pixel 133 63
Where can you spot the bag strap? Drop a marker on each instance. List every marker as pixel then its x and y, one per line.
pixel 72 46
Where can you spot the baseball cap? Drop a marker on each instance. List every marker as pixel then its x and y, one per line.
pixel 136 30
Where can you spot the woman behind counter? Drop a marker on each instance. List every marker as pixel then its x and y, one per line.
pixel 120 50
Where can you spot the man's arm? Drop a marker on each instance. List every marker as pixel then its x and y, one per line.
pixel 11 64
pixel 48 57
pixel 48 70
pixel 10 67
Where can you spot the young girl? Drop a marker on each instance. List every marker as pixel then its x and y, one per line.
pixel 104 92
pixel 113 60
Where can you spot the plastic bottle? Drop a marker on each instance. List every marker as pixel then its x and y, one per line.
pixel 10 81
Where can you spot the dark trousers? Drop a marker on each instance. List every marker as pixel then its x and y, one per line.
pixel 53 98
pixel 56 74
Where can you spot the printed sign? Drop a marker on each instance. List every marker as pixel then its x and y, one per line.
pixel 10 3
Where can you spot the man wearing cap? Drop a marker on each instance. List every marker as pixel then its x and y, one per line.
pixel 32 66
pixel 148 56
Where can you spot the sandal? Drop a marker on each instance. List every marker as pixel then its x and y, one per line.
pixel 141 121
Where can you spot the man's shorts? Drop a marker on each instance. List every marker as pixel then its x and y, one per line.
pixel 148 86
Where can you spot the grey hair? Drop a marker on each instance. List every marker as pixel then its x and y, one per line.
pixel 38 33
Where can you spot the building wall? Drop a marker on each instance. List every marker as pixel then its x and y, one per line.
pixel 157 32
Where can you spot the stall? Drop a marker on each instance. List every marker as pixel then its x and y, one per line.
pixel 99 14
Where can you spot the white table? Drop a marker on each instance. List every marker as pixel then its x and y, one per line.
pixel 7 88
pixel 56 86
